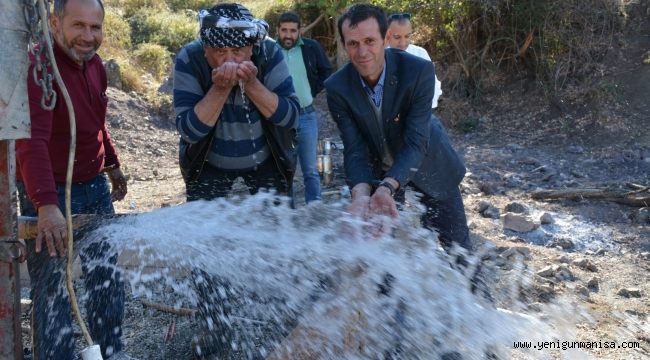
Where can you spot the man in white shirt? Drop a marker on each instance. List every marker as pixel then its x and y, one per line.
pixel 399 36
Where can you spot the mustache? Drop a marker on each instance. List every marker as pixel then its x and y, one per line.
pixel 82 56
pixel 94 44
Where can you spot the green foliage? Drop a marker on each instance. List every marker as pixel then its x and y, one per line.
pixel 116 30
pixel 131 7
pixel 554 42
pixel 117 35
pixel 162 27
pixel 195 5
pixel 153 58
pixel 468 124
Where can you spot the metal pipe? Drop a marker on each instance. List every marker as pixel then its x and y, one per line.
pixel 14 124
pixel 28 225
pixel 10 332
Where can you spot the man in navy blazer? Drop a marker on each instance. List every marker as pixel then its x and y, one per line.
pixel 381 102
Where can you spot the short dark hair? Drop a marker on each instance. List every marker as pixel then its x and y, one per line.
pixel 400 18
pixel 289 16
pixel 59 7
pixel 361 12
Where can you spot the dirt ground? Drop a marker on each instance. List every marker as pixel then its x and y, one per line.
pixel 594 253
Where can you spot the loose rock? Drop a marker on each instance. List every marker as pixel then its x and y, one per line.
pixel 546 219
pixel 563 273
pixel 562 242
pixel 544 292
pixel 593 284
pixel 582 291
pixel 491 212
pixel 488 188
pixel 517 251
pixel 585 264
pixel 629 292
pixel 519 223
pixel 548 271
pixel 483 205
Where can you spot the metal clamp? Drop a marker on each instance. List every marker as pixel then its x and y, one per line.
pixel 12 251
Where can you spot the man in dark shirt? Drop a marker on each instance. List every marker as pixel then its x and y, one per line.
pixel 42 164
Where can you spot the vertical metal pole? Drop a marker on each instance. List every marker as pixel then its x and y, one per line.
pixel 10 334
pixel 14 124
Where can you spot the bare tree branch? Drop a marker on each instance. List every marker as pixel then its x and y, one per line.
pixel 313 24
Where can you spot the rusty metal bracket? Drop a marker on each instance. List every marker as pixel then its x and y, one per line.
pixel 12 251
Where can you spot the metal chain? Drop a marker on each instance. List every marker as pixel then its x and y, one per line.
pixel 40 74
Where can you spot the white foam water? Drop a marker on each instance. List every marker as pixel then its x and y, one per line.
pixel 323 288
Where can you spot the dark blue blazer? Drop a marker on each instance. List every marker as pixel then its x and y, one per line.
pixel 416 139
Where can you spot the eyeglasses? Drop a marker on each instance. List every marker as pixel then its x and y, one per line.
pixel 400 16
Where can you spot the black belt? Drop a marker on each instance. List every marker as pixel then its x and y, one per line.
pixel 306 109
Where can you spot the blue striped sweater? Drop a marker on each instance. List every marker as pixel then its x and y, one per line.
pixel 239 140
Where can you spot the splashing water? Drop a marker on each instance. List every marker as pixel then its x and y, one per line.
pixel 308 277
pixel 242 90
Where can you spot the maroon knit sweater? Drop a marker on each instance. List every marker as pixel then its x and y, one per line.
pixel 43 159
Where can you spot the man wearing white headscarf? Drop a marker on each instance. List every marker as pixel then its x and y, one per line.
pixel 236 108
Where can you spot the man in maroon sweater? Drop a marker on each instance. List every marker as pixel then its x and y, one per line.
pixel 76 27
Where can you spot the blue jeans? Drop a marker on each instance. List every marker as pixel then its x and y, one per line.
pixel 52 333
pixel 307 147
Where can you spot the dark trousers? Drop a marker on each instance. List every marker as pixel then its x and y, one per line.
pixel 215 183
pixel 447 217
pixel 52 315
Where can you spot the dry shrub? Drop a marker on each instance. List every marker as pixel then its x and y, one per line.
pixel 131 77
pixel 153 58
pixel 551 41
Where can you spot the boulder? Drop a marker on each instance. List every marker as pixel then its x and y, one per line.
pixel 113 73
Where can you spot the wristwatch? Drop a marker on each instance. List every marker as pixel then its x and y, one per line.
pixel 388 185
